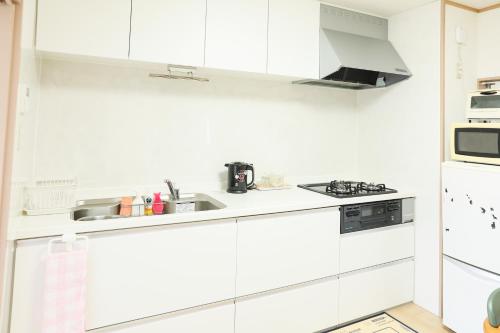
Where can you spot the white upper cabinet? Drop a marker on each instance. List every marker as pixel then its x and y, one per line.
pixel 91 27
pixel 168 31
pixel 294 38
pixel 237 35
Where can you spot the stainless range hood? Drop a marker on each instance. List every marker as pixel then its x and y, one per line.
pixel 354 52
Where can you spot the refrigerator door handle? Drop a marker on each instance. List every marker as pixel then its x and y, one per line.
pixel 475 271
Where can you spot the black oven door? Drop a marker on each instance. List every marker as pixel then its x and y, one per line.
pixel 481 142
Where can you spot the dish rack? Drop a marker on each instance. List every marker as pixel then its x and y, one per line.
pixel 50 196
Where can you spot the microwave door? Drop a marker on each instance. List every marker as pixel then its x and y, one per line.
pixel 477 144
pixel 484 105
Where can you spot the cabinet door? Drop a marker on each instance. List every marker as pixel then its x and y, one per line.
pixel 134 274
pixel 168 31
pixel 90 27
pixel 465 294
pixel 279 250
pixel 294 38
pixel 237 35
pixel 383 245
pixel 365 292
pixel 296 310
pixel 218 318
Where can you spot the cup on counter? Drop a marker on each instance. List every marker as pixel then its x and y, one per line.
pixel 276 180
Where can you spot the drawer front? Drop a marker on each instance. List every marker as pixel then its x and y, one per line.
pixel 219 318
pixel 279 250
pixel 465 293
pixel 376 289
pixel 138 273
pixel 377 246
pixel 296 310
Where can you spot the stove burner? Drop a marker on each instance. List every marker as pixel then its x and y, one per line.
pixel 342 187
pixel 371 187
pixel 346 189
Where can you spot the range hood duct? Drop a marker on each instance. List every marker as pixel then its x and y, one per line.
pixel 355 53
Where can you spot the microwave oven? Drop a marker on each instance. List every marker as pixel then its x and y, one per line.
pixel 483 104
pixel 476 142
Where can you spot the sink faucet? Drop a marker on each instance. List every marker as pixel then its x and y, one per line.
pixel 174 193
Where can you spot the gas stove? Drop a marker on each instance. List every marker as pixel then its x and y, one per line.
pixel 348 189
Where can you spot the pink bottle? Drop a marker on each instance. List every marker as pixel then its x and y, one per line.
pixel 157 204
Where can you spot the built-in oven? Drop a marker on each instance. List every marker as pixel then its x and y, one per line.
pixel 483 104
pixel 371 215
pixel 476 142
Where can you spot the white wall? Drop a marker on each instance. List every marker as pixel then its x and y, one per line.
pixel 113 126
pixel 488 41
pixel 457 88
pixel 27 108
pixel 399 137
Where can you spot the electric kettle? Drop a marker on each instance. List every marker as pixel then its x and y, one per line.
pixel 237 177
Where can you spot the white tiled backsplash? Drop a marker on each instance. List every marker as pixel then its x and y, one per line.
pixel 113 126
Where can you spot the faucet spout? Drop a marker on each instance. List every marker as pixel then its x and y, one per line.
pixel 174 193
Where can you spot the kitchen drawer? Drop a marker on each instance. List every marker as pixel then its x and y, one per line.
pixel 134 274
pixel 376 246
pixel 215 318
pixel 279 250
pixel 375 289
pixel 465 293
pixel 300 309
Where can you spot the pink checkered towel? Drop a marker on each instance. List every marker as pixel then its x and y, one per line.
pixel 64 292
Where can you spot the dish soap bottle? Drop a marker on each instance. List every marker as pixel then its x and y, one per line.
pixel 157 204
pixel 148 205
pixel 138 206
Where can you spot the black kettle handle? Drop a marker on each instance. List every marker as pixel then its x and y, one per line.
pixel 250 167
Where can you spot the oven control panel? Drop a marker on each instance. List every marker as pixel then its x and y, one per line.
pixel 370 215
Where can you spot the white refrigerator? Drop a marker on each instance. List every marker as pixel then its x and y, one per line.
pixel 471 243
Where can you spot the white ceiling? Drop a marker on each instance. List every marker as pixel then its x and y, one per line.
pixel 385 8
pixel 478 3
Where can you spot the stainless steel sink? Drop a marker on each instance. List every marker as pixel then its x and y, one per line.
pixel 99 217
pixel 96 209
pixel 109 208
pixel 192 202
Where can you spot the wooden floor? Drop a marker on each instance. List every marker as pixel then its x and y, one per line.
pixel 419 319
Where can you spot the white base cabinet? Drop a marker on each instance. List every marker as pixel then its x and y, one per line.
pixel 382 245
pixel 279 250
pixel 268 273
pixel 301 309
pixel 465 294
pixel 134 274
pixel 375 289
pixel 216 319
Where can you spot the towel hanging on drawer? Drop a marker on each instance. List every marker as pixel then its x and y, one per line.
pixel 65 285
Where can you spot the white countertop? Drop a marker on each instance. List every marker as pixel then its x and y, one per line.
pixel 237 205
